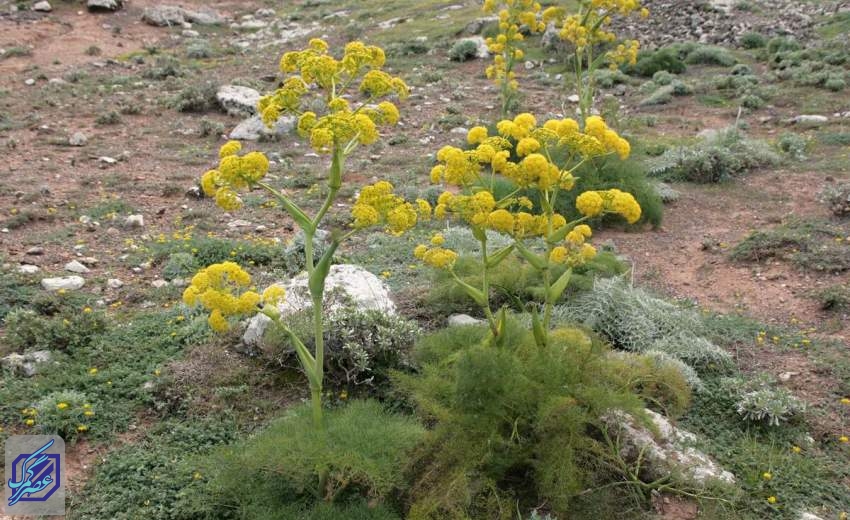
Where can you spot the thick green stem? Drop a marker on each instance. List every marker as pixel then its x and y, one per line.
pixel 485 287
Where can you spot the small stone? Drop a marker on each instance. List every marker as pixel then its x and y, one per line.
pixel 76 267
pixel 29 82
pixel 114 283
pixel 69 283
pixel 459 320
pixel 89 261
pixel 194 192
pixel 35 251
pixel 233 224
pixel 573 98
pixel 179 282
pixel 78 139
pixel 28 269
pixel 134 221
pixel 107 160
pixel 159 284
pixel 42 6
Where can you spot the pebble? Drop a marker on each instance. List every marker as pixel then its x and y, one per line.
pixel 35 250
pixel 134 221
pixel 42 6
pixel 29 82
pixel 158 284
pixel 28 269
pixel 78 139
pixel 114 283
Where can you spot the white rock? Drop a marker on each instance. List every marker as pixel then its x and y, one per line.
pixel 667 452
pixel 809 516
pixel 76 267
pixel 459 320
pixel 253 128
pixel 573 98
pixel 107 160
pixel 42 6
pixel 810 121
pixel 167 15
pixel 344 282
pixel 107 5
pixel 159 284
pixel 29 82
pixel 26 364
pixel 134 221
pixel 233 224
pixel 237 100
pixel 69 283
pixel 114 283
pixel 28 269
pixel 78 139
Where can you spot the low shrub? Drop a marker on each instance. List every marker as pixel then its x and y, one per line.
pixel 632 319
pixel 180 265
pixel 519 425
pixel 67 413
pixel 26 329
pixel 195 98
pixel 463 50
pixel 752 40
pixel 363 452
pixel 660 96
pixel 809 244
pixel 833 298
pixel 759 400
pixel 718 157
pixel 710 55
pixel 793 144
pixel 650 62
pixel 361 346
pixel 164 67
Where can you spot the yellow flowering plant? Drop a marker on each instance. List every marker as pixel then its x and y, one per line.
pixel 506 46
pixel 522 151
pixel 588 28
pixel 349 100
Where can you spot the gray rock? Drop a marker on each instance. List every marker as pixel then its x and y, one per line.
pixel 114 283
pixel 477 25
pixel 28 269
pixel 42 6
pixel 134 221
pixel 168 15
pixel 29 82
pixel 78 139
pixel 253 128
pixel 159 284
pixel 237 100
pixel 105 5
pixel 27 364
pixel 69 283
pixel 808 516
pixel 669 451
pixel 35 251
pixel 458 320
pixel 346 284
pixel 76 267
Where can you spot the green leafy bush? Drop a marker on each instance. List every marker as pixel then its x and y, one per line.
pixel 650 62
pixel 660 96
pixel 752 40
pixel 15 292
pixel 363 450
pixel 793 144
pixel 361 346
pixel 519 425
pixel 180 265
pixel 463 50
pixel 195 98
pixel 26 329
pixel 710 55
pixel 810 244
pixel 67 413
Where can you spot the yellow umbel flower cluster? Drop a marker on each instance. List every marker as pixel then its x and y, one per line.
pixel 436 255
pixel 377 204
pixel 595 203
pixel 587 27
pixel 514 17
pixel 234 173
pixel 217 288
pixel 531 146
pixel 315 72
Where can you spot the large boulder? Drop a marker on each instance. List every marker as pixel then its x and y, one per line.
pixel 669 452
pixel 237 100
pixel 346 284
pixel 68 283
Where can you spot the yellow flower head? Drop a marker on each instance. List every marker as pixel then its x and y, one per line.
pixel 590 204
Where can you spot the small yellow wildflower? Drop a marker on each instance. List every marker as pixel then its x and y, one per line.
pixel 82 428
pixel 93 371
pixel 62 406
pixel 767 475
pixel 844 439
pixel 771 499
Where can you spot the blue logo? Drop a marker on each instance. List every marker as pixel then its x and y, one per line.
pixel 35 476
